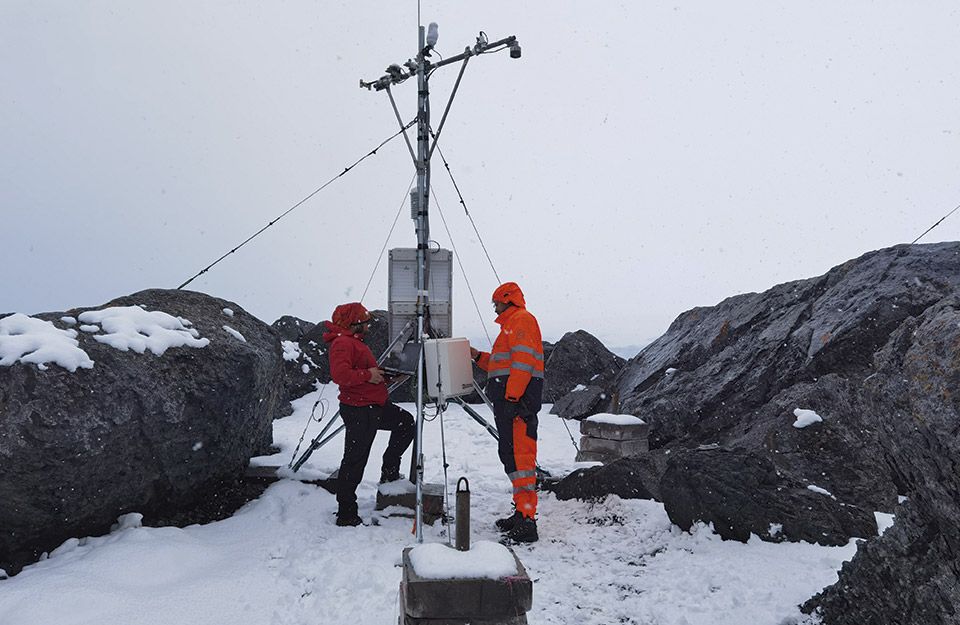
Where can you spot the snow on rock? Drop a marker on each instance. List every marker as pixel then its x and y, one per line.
pixel 821 491
pixel 70 321
pixel 30 340
pixel 91 329
pixel 805 418
pixel 133 328
pixel 228 312
pixel 484 560
pixel 615 419
pixel 305 368
pixel 884 521
pixel 234 334
pixel 291 350
pixel 578 388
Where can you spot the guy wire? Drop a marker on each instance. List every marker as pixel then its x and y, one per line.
pixel 936 224
pixel 389 234
pixel 289 210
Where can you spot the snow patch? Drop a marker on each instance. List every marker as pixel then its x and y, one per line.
pixel 235 334
pixel 133 328
pixel 305 368
pixel 486 560
pixel 30 340
pixel 228 312
pixel 402 486
pixel 775 529
pixel 92 329
pixel 578 388
pixel 615 419
pixel 291 351
pixel 70 321
pixel 670 371
pixel 805 418
pixel 821 491
pixel 197 446
pixel 884 521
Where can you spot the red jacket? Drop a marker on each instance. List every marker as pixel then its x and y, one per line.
pixel 350 361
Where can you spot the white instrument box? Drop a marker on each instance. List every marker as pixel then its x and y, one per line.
pixel 448 363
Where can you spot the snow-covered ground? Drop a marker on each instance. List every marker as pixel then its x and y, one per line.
pixel 282 561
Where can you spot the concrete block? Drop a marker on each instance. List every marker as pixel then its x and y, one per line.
pixel 432 502
pixel 469 600
pixel 618 448
pixel 595 456
pixel 614 432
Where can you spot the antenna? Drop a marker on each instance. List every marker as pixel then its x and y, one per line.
pixel 422 68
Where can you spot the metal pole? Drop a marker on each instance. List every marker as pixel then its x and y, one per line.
pixel 423 259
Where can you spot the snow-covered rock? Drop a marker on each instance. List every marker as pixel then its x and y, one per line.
pixel 148 411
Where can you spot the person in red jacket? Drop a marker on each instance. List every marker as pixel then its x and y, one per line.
pixel 515 387
pixel 364 406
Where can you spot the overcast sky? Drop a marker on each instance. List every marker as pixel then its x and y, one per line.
pixel 642 158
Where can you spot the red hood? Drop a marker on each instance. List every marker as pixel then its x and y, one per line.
pixel 334 331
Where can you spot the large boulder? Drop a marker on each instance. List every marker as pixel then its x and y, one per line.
pixel 742 493
pixel 633 477
pixel 911 575
pixel 735 374
pixel 138 411
pixel 579 371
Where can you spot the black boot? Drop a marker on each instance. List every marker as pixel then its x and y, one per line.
pixel 389 475
pixel 506 524
pixel 347 516
pixel 525 531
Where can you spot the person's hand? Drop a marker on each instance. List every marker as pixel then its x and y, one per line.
pixel 376 375
pixel 474 352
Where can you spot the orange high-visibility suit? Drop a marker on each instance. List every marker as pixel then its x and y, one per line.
pixel 515 386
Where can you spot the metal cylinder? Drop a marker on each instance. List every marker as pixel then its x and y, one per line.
pixel 463 515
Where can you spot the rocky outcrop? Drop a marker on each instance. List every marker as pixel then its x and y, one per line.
pixel 152 429
pixel 911 575
pixel 633 477
pixel 732 375
pixel 578 359
pixel 742 493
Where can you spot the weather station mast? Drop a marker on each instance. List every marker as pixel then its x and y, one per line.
pixel 422 67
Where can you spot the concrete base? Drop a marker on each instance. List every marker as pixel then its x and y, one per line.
pixel 268 475
pixel 613 447
pixel 502 601
pixel 432 502
pixel 614 432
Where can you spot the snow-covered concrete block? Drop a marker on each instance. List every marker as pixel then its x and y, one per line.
pixel 475 600
pixel 614 427
pixel 403 494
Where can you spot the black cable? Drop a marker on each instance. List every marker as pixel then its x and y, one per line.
pixel 465 210
pixel 289 210
pixel 936 224
pixel 460 263
pixel 389 234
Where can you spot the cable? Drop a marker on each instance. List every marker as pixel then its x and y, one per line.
pixel 936 224
pixel 389 234
pixel 460 263
pixel 289 210
pixel 465 210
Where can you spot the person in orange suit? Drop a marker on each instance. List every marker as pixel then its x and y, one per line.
pixel 515 387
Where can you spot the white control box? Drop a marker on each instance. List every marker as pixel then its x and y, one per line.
pixel 448 364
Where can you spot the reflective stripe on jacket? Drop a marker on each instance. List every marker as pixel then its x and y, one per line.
pixel 517 352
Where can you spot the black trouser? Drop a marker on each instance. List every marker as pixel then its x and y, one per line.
pixel 362 424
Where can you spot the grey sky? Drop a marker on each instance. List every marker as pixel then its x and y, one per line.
pixel 639 160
